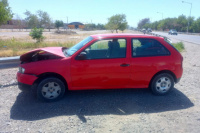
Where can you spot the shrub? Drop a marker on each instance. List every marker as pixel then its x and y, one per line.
pixel 37 34
pixel 179 46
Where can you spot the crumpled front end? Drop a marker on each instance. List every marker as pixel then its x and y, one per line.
pixel 35 62
pixel 42 54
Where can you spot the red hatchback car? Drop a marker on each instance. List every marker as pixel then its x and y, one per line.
pixel 107 61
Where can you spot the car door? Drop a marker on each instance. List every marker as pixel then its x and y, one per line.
pixel 148 57
pixel 105 66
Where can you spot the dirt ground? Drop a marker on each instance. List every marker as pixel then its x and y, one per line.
pixel 50 36
pixel 106 110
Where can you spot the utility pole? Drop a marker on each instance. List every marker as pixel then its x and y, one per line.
pixel 67 23
pixel 190 13
pixel 161 13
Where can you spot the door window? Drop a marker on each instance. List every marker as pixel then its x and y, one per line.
pixel 104 49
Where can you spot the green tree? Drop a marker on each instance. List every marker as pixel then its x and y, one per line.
pixel 147 25
pixel 37 34
pixel 161 25
pixel 191 21
pixel 58 24
pixel 100 27
pixel 172 23
pixel 123 26
pixel 182 23
pixel 117 22
pixel 19 21
pixel 155 25
pixel 31 20
pixel 44 19
pixel 5 12
pixel 110 26
pixel 94 27
pixel 90 27
pixel 41 19
pixel 196 26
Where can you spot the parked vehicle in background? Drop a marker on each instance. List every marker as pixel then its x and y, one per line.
pixel 149 30
pixel 143 30
pixel 172 32
pixel 107 61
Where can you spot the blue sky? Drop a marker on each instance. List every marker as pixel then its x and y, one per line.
pixel 98 11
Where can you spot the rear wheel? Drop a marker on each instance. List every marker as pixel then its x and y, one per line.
pixel 162 84
pixel 50 89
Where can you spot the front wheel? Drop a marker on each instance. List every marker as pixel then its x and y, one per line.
pixel 50 89
pixel 162 84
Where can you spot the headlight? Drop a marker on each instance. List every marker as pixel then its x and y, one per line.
pixel 21 70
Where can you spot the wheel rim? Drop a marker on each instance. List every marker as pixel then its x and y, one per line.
pixel 163 84
pixel 51 90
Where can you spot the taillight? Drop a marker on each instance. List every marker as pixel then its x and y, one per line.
pixel 181 61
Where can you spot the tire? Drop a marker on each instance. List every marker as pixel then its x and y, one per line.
pixel 162 84
pixel 50 89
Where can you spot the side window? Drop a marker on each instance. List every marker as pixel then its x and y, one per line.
pixel 147 47
pixel 104 49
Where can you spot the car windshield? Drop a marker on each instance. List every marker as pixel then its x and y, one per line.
pixel 73 49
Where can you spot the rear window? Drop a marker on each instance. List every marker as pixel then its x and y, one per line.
pixel 144 47
pixel 170 43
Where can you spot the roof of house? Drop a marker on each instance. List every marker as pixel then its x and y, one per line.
pixel 75 23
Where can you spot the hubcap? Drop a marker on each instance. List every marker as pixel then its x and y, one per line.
pixel 51 90
pixel 163 84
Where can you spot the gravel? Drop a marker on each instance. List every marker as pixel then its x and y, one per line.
pixel 106 110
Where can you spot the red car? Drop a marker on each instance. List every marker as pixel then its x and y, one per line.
pixel 107 61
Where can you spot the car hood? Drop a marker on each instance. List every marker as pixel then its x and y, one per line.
pixel 51 51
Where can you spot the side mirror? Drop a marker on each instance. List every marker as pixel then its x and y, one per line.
pixel 82 56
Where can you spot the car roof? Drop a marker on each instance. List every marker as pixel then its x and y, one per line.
pixel 124 35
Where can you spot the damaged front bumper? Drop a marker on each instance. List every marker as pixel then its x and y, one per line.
pixel 25 81
pixel 24 87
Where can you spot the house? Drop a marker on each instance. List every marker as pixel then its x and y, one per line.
pixel 75 25
pixel 14 24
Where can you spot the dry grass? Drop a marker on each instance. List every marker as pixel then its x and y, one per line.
pixel 8 53
pixel 18 45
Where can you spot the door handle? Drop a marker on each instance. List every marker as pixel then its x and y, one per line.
pixel 124 65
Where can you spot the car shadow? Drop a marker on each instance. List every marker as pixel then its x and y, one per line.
pixel 98 102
